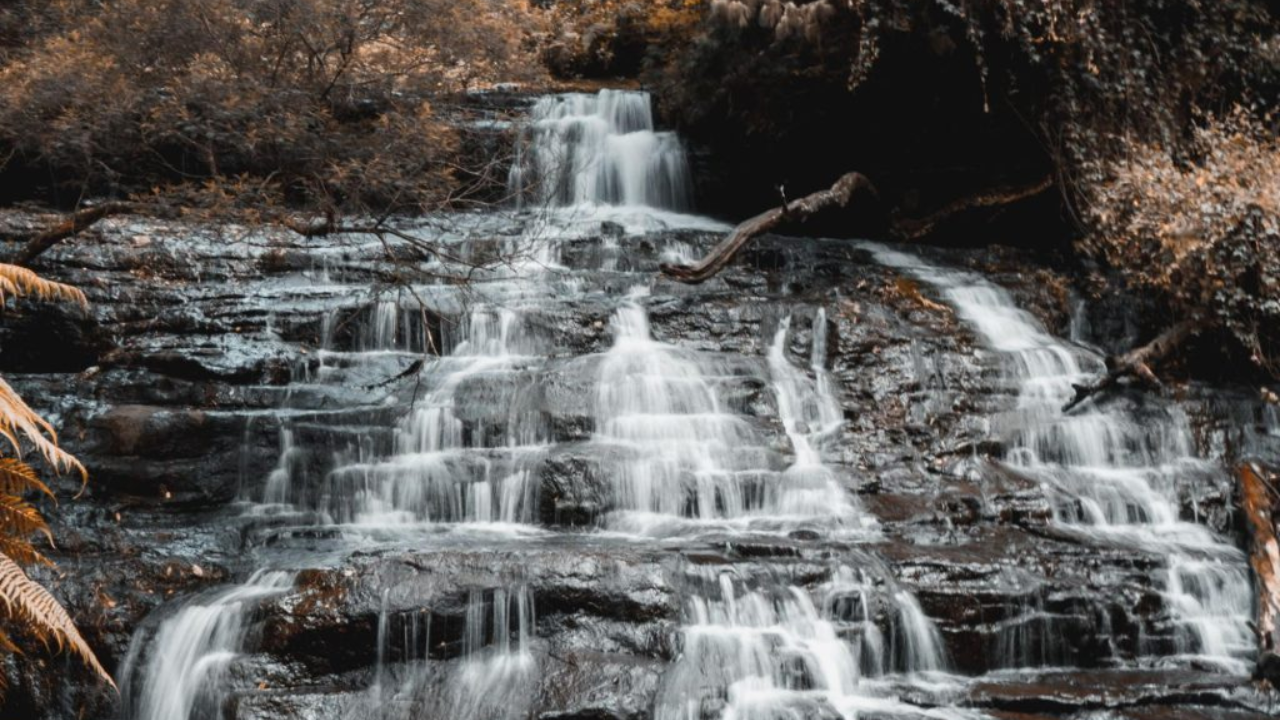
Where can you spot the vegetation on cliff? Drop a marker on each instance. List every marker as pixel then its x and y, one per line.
pixel 1140 130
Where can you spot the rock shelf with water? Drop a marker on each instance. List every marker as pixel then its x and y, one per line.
pixel 791 492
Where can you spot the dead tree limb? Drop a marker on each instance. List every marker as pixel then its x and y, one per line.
pixel 1257 497
pixel 74 224
pixel 838 195
pixel 1137 362
pixel 914 229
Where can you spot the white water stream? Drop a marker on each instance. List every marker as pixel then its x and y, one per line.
pixel 600 149
pixel 192 651
pixel 684 458
pixel 1111 472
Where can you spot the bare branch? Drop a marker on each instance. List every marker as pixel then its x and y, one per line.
pixel 838 195
pixel 78 222
pixel 1137 362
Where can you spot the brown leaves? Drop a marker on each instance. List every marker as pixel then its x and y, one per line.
pixel 27 601
pixel 317 100
pixel 1200 230
pixel 19 422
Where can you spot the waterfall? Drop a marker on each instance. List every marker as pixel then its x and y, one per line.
pixel 493 679
pixel 809 414
pixel 768 651
pixel 440 471
pixel 680 453
pixel 599 149
pixel 1110 469
pixel 186 664
pixel 682 459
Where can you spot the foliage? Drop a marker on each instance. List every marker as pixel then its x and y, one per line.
pixel 18 281
pixel 609 38
pixel 1202 234
pixel 1117 61
pixel 324 103
pixel 23 601
pixel 1116 96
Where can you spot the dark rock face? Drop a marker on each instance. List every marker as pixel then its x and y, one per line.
pixel 210 361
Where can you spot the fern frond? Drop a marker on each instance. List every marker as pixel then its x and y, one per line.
pixel 26 600
pixel 23 552
pixel 16 281
pixel 7 647
pixel 18 420
pixel 20 519
pixel 18 478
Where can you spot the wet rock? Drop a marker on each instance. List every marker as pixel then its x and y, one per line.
pixel 1268 668
pixel 1066 693
pixel 50 338
pixel 572 490
pixel 163 454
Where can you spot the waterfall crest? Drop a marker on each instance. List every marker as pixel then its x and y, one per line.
pixel 599 149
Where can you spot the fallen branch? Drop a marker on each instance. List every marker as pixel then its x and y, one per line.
pixel 76 223
pixel 1256 498
pixel 838 195
pixel 1137 362
pixel 414 367
pixel 909 229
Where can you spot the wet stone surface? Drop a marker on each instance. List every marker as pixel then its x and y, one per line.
pixel 212 361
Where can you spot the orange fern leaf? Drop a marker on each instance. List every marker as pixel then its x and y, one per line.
pixel 18 281
pixel 22 552
pixel 18 420
pixel 20 519
pixel 27 600
pixel 18 478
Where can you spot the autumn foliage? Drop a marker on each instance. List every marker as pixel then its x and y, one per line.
pixel 28 612
pixel 1200 230
pixel 301 102
pixel 1127 107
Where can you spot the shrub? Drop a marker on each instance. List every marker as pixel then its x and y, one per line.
pixel 311 102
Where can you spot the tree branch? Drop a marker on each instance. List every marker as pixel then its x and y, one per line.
pixel 909 229
pixel 838 195
pixel 1137 362
pixel 77 223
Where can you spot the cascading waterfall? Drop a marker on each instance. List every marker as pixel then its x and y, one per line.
pixel 443 471
pixel 683 459
pixel 680 452
pixel 186 664
pixel 682 456
pixel 763 651
pixel 498 670
pixel 1110 472
pixel 493 679
pixel 810 414
pixel 599 149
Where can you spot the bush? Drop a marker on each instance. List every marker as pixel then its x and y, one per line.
pixel 313 102
pixel 1202 233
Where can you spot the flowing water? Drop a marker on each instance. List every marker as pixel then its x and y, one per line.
pixel 661 449
pixel 583 149
pixel 1111 470
pixel 193 650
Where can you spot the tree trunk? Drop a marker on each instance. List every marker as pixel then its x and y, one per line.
pixel 838 195
pixel 1258 498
